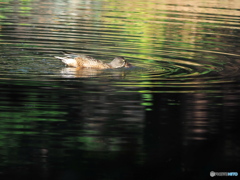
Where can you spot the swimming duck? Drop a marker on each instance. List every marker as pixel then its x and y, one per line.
pixel 84 61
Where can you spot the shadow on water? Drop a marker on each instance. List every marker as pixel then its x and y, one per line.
pixel 175 114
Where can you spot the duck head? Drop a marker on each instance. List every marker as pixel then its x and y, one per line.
pixel 119 62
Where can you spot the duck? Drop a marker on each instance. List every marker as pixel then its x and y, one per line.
pixel 84 61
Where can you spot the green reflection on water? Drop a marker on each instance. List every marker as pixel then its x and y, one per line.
pixel 178 44
pixel 171 44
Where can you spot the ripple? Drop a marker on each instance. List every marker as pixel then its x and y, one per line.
pixel 181 44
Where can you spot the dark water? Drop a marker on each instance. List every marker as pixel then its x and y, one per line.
pixel 174 115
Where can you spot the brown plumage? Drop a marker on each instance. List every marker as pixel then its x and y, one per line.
pixel 84 61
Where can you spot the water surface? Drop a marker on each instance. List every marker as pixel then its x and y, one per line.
pixel 174 115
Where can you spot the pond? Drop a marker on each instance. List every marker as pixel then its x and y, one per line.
pixel 175 114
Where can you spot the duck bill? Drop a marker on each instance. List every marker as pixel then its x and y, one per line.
pixel 127 64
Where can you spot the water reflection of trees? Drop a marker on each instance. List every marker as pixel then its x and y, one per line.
pixel 178 127
pixel 199 127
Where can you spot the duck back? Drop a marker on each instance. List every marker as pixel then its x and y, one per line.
pixel 89 62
